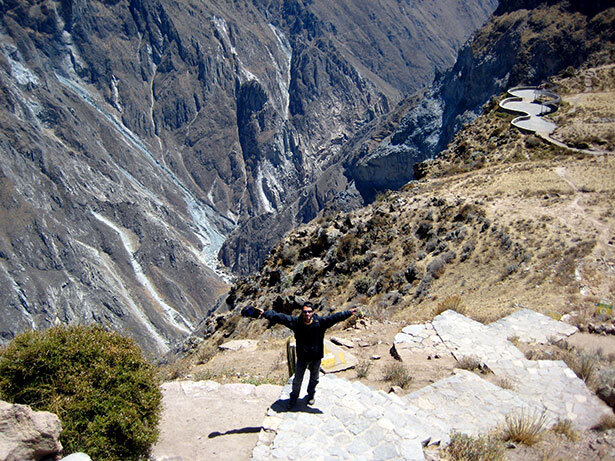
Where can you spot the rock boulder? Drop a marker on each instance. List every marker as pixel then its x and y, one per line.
pixel 26 434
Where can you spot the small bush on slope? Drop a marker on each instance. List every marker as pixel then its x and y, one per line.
pixel 97 382
pixel 524 428
pixel 397 374
pixel 467 448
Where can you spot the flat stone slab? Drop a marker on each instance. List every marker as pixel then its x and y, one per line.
pixel 466 403
pixel 465 337
pixel 336 358
pixel 342 342
pixel 541 386
pixel 239 344
pixel 553 386
pixel 349 421
pixel 421 340
pixel 532 327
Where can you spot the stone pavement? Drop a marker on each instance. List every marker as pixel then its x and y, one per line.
pixel 353 421
pixel 348 421
pixel 419 339
pixel 465 337
pixel 555 388
pixel 547 385
pixel 531 327
pixel 465 403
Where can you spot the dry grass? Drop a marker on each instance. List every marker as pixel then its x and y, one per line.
pixel 205 353
pixel 396 373
pixel 173 371
pixel 451 302
pixel 506 383
pixel 467 448
pixel 606 377
pixel 362 368
pixel 278 363
pixel 587 121
pixel 566 428
pixel 226 375
pixel 606 422
pixel 584 365
pixel 470 363
pixel 524 428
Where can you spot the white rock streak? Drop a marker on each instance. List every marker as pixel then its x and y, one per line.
pixel 261 192
pixel 225 39
pixel 211 238
pixel 222 29
pixel 174 317
pixel 107 265
pixel 284 69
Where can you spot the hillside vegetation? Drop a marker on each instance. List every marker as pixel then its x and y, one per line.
pixel 97 382
pixel 501 220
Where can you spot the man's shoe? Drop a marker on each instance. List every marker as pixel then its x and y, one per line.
pixel 291 403
pixel 310 400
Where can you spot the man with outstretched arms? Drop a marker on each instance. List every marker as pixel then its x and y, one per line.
pixel 309 329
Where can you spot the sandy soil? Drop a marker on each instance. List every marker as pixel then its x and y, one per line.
pixel 219 424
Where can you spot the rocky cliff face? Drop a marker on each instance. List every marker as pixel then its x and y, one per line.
pixel 138 136
pixel 349 64
pixel 524 43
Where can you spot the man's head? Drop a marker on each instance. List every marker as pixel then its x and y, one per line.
pixel 307 311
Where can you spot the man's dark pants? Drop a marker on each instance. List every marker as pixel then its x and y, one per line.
pixel 314 366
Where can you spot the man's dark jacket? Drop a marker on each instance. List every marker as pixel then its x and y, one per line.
pixel 310 337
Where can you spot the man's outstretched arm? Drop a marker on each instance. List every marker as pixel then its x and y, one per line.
pixel 332 319
pixel 277 317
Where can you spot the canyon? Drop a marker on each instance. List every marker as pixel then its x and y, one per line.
pixel 143 142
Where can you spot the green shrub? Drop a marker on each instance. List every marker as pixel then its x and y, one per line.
pixel 96 381
pixel 362 284
pixel 287 256
pixel 346 246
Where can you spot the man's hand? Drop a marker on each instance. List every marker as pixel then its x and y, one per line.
pixel 354 310
pixel 251 312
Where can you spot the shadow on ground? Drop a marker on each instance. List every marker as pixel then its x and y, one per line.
pixel 282 406
pixel 243 430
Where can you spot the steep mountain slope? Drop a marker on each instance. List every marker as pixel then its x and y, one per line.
pixel 137 134
pixel 523 43
pixel 501 220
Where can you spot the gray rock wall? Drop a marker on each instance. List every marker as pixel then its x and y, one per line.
pixel 137 137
